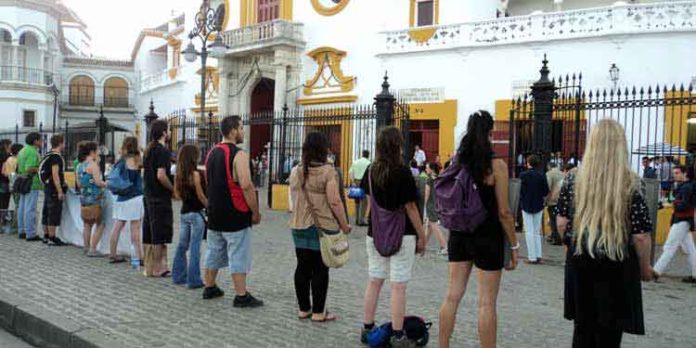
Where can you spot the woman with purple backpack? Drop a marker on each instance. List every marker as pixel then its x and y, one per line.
pixel 484 247
pixel 395 232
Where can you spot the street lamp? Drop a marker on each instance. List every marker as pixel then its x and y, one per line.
pixel 614 74
pixel 55 91
pixel 208 23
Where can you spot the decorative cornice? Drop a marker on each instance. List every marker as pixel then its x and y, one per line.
pixel 99 62
pixel 328 100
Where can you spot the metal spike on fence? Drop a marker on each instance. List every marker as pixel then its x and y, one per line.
pixel 590 94
pixel 604 94
pixel 618 93
pixel 642 91
pixel 691 88
pixel 649 90
pixel 681 88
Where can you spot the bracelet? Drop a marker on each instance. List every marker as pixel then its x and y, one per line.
pixel 517 246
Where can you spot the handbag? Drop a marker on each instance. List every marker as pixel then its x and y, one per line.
pixel 22 184
pixel 356 192
pixel 334 246
pixel 204 216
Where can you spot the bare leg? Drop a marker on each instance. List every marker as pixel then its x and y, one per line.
pixel 459 273
pixel 157 259
pixel 209 277
pixel 135 238
pixel 51 230
pixel 97 236
pixel 398 305
pixel 374 286
pixel 115 233
pixel 86 235
pixel 438 234
pixel 489 283
pixel 239 281
pixel 46 233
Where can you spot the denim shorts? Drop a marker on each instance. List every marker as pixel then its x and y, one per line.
pixel 229 249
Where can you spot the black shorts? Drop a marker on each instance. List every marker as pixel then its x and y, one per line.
pixel 485 247
pixel 158 221
pixel 52 209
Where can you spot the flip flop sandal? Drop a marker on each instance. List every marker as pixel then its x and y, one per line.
pixel 165 274
pixel 117 260
pixel 327 318
pixel 306 316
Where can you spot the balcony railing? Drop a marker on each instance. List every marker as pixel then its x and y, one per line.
pixel 20 74
pixel 162 78
pixel 619 19
pixel 87 100
pixel 267 33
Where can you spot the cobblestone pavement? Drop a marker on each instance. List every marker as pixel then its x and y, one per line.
pixel 139 312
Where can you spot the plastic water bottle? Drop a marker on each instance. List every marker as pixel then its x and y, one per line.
pixel 135 261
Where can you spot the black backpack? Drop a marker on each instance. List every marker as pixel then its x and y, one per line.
pixel 45 172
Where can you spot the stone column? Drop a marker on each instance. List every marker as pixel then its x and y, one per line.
pixel 224 86
pixel 281 85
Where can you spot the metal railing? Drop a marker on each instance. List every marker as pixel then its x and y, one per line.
pixel 34 76
pixel 115 97
pixel 149 82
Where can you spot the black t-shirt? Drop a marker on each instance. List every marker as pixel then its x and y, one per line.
pixel 400 189
pixel 191 203
pixel 222 215
pixel 52 160
pixel 157 157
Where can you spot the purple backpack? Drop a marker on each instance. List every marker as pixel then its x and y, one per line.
pixel 387 226
pixel 457 199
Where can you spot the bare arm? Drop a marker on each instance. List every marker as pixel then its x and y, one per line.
pixel 336 205
pixel 96 174
pixel 562 224
pixel 500 176
pixel 56 179
pixel 164 179
pixel 243 175
pixel 641 242
pixel 427 195
pixel 199 189
pixel 414 216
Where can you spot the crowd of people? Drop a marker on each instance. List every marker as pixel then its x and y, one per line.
pixel 597 211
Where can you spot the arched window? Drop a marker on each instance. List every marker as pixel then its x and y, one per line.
pixel 116 92
pixel 81 91
pixel 5 36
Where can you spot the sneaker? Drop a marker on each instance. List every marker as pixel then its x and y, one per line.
pixel 443 251
pixel 363 335
pixel 55 241
pixel 211 293
pixel 247 301
pixel 22 236
pixel 94 254
pixel 690 280
pixel 401 342
pixel 34 239
pixel 45 239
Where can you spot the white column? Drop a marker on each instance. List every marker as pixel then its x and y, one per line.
pixel 224 84
pixel 281 85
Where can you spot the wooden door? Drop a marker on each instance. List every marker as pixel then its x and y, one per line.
pixel 268 10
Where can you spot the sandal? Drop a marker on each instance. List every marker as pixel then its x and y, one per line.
pixel 304 316
pixel 165 274
pixel 117 259
pixel 327 317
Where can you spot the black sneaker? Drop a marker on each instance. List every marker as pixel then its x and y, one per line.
pixel 690 280
pixel 363 335
pixel 45 239
pixel 34 239
pixel 211 293
pixel 55 241
pixel 247 301
pixel 22 236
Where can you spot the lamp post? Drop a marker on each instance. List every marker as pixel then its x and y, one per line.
pixel 55 91
pixel 614 74
pixel 208 23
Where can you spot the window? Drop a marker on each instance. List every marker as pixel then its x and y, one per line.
pixel 81 91
pixel 29 119
pixel 268 10
pixel 116 92
pixel 425 13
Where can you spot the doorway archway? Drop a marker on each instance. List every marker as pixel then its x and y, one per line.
pixel 262 98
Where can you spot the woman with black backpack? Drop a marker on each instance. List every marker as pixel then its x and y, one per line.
pixel 484 247
pixel 395 232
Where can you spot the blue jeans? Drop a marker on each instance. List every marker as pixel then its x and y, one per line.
pixel 26 213
pixel 190 237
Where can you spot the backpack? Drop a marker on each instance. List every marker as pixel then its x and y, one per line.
pixel 236 192
pixel 387 226
pixel 45 171
pixel 117 181
pixel 415 328
pixel 457 199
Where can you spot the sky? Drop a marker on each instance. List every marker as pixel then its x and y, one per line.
pixel 114 25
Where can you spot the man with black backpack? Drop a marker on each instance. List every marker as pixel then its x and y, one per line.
pixel 52 175
pixel 28 185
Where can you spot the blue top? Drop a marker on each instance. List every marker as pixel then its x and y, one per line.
pixel 534 189
pixel 136 189
pixel 90 193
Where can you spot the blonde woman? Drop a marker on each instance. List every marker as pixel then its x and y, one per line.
pixel 606 225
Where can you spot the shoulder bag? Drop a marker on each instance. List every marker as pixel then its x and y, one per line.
pixel 335 249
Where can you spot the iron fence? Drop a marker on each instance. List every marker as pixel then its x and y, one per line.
pixel 659 121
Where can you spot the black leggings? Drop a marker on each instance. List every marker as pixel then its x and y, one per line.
pixel 311 272
pixel 591 336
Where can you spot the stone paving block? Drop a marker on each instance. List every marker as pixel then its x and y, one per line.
pixel 42 327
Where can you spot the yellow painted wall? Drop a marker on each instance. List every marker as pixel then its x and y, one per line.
pixel 502 109
pixel 676 117
pixel 446 113
pixel 280 199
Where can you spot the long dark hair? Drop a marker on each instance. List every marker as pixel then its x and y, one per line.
pixel 186 163
pixel 314 149
pixel 84 148
pixel 475 150
pixel 387 155
pixel 157 130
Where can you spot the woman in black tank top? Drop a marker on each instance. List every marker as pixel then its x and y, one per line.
pixel 189 187
pixel 483 248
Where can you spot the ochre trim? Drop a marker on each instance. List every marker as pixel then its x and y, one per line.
pixel 328 57
pixel 412 13
pixel 328 100
pixel 421 35
pixel 329 11
pixel 286 10
pixel 446 113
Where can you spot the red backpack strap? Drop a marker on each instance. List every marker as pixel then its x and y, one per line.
pixel 236 193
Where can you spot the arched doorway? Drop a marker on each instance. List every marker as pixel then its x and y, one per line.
pixel 261 107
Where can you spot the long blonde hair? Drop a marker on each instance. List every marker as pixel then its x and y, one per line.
pixel 603 188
